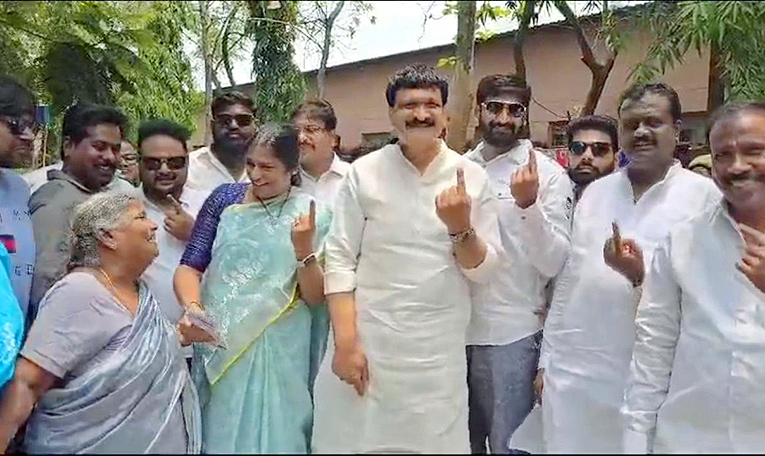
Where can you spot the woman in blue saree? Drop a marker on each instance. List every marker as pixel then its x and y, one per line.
pixel 251 267
pixel 101 370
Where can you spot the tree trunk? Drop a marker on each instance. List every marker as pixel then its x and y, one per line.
pixel 224 45
pixel 716 86
pixel 321 76
pixel 520 37
pixel 462 99
pixel 205 20
pixel 600 75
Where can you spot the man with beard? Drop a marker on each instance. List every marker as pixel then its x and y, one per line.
pixel 163 168
pixel 534 204
pixel 233 125
pixel 414 225
pixel 592 145
pixel 698 366
pixel 91 141
pixel 590 330
pixel 17 128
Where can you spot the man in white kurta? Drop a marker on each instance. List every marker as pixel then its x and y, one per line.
pixel 589 332
pixel 391 250
pixel 698 371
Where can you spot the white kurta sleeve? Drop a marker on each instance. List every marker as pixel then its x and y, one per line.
pixel 343 243
pixel 545 226
pixel 657 332
pixel 486 225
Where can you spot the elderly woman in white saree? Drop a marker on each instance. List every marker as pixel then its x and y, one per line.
pixel 101 370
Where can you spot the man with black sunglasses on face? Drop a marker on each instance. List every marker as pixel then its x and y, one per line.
pixel 233 125
pixel 592 145
pixel 170 203
pixel 535 199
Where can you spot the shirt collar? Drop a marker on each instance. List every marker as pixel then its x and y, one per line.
pixel 518 154
pixel 61 175
pixel 208 152
pixel 183 200
pixel 336 168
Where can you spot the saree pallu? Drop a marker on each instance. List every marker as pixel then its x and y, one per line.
pixel 138 400
pixel 256 394
pixel 11 322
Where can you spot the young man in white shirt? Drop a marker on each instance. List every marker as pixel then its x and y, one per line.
pixel 592 145
pixel 414 224
pixel 698 367
pixel 534 203
pixel 233 125
pixel 163 169
pixel 590 329
pixel 321 170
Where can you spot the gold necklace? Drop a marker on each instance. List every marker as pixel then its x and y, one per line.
pixel 114 290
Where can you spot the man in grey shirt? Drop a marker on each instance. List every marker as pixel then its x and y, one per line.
pixel 92 137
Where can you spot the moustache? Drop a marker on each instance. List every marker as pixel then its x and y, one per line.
pixel 420 123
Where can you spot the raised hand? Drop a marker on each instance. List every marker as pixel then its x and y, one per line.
pixel 524 183
pixel 752 264
pixel 453 206
pixel 178 222
pixel 350 364
pixel 303 230
pixel 624 256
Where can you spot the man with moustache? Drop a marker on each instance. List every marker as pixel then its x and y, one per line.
pixel 91 142
pixel 534 204
pixel 233 125
pixel 590 329
pixel 592 145
pixel 414 225
pixel 698 366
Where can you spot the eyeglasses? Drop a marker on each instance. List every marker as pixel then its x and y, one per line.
pixel 154 164
pixel 496 107
pixel 130 159
pixel 309 129
pixel 17 125
pixel 599 149
pixel 242 120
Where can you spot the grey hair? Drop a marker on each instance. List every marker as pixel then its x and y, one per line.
pixel 97 215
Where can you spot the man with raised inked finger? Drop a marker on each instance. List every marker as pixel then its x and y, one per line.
pixel 534 205
pixel 590 329
pixel 415 225
pixel 698 366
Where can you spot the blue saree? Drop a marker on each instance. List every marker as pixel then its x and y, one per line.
pixel 256 394
pixel 11 321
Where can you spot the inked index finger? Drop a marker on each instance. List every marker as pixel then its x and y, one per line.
pixel 532 160
pixel 312 213
pixel 617 237
pixel 174 202
pixel 461 179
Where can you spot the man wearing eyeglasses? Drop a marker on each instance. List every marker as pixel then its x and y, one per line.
pixel 128 169
pixel 535 201
pixel 170 203
pixel 233 125
pixel 592 145
pixel 17 129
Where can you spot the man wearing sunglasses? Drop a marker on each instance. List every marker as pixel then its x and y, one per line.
pixel 592 145
pixel 233 125
pixel 17 129
pixel 535 199
pixel 170 203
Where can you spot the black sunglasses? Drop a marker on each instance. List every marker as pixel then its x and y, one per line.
pixel 599 149
pixel 17 125
pixel 243 120
pixel 173 163
pixel 496 107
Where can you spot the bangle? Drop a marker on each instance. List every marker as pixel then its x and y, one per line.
pixel 306 261
pixel 462 236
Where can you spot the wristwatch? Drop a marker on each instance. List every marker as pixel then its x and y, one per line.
pixel 306 261
pixel 462 236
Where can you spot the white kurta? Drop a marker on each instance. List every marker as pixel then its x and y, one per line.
pixel 206 172
pixel 698 370
pixel 388 245
pixel 590 330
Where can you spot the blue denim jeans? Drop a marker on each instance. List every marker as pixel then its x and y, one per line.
pixel 501 391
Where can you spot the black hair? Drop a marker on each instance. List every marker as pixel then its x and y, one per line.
pixel 319 110
pixel 606 124
pixel 416 76
pixel 162 127
pixel 497 84
pixel 80 117
pixel 282 139
pixel 230 98
pixel 638 90
pixel 15 99
pixel 733 110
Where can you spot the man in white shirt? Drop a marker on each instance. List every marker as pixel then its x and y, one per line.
pixel 698 368
pixel 590 329
pixel 534 203
pixel 414 225
pixel 233 125
pixel 592 145
pixel 163 168
pixel 321 170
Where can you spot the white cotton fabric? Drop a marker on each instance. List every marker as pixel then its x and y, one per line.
pixel 206 172
pixel 325 188
pixel 412 302
pixel 590 330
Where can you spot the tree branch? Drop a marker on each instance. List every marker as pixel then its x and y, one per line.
pixel 587 55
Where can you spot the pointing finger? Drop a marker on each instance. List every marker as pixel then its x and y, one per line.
pixel 532 161
pixel 174 202
pixel 312 213
pixel 617 237
pixel 751 235
pixel 461 179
